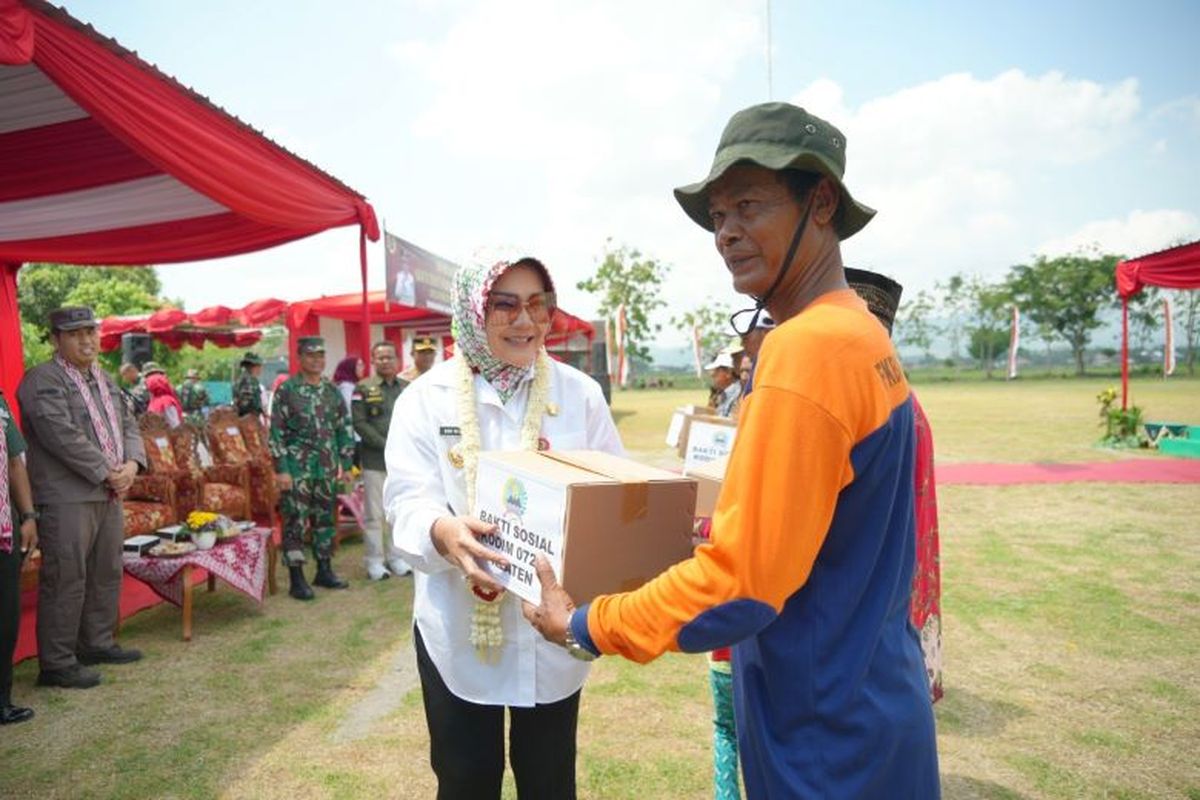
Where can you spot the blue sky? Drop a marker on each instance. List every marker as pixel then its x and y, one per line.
pixel 983 133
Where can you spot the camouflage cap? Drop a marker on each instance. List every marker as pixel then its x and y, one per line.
pixel 150 367
pixel 72 318
pixel 251 360
pixel 310 344
pixel 881 293
pixel 779 136
pixel 424 343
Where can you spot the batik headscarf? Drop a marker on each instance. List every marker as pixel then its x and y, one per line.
pixel 472 284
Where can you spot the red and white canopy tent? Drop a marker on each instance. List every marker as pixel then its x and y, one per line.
pixel 220 325
pixel 105 160
pixel 339 319
pixel 1175 268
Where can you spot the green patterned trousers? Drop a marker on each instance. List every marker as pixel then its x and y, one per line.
pixel 309 506
pixel 725 755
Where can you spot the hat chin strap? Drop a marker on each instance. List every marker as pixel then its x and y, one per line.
pixel 760 303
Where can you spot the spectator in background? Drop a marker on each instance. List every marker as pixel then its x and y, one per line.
pixel 163 400
pixel 193 396
pixel 371 412
pixel 248 390
pixel 424 353
pixel 727 389
pixel 350 370
pixel 135 394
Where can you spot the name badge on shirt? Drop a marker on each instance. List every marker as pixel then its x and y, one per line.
pixel 449 430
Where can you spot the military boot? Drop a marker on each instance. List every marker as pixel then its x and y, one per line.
pixel 326 576
pixel 299 587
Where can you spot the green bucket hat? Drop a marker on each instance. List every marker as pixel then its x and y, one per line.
pixel 779 136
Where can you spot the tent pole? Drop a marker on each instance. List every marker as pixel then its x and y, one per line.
pixel 365 335
pixel 1124 353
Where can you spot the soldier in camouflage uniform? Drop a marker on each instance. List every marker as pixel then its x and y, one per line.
pixel 312 443
pixel 193 396
pixel 247 389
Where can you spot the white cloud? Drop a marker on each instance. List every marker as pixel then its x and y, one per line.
pixel 952 163
pixel 1138 233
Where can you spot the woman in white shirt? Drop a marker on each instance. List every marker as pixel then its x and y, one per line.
pixel 499 392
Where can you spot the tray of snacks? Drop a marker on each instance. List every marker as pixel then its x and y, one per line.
pixel 171 549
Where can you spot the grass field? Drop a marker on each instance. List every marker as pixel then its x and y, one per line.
pixel 1072 645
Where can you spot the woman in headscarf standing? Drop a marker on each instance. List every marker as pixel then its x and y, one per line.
pixel 476 654
pixel 163 400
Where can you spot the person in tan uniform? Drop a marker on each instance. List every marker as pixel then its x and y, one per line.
pixel 83 453
pixel 424 353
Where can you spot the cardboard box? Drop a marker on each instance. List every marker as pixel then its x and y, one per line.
pixel 675 431
pixel 709 477
pixel 606 524
pixel 707 439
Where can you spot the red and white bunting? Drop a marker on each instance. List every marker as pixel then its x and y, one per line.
pixel 1169 345
pixel 1014 342
pixel 622 356
pixel 696 354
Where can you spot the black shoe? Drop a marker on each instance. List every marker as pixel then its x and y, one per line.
pixel 113 655
pixel 326 577
pixel 299 588
pixel 11 715
pixel 75 676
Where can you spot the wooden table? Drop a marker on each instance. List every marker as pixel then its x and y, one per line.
pixel 242 561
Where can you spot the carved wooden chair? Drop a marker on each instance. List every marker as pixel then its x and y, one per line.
pixel 226 487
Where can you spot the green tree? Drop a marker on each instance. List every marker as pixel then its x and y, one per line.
pixel 1069 294
pixel 41 288
pixel 713 324
pixel 914 323
pixel 1145 319
pixel 988 319
pixel 625 276
pixel 955 304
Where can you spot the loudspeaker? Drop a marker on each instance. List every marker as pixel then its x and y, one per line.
pixel 136 348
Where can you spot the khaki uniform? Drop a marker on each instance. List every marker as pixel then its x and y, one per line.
pixel 371 410
pixel 81 528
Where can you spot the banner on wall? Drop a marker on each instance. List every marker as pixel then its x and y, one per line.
pixel 416 277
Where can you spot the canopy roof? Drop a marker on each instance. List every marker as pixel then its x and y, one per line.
pixel 221 325
pixel 1175 268
pixel 105 160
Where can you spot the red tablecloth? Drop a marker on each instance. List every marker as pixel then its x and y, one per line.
pixel 241 562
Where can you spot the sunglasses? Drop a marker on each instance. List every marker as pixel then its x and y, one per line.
pixel 504 308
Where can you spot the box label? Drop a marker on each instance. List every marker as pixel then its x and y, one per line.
pixel 528 513
pixel 707 442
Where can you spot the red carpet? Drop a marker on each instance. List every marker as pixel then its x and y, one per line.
pixel 135 596
pixel 1129 470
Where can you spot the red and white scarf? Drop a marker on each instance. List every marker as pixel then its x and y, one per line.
pixel 109 437
pixel 6 526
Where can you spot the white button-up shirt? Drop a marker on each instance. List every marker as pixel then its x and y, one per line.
pixel 423 485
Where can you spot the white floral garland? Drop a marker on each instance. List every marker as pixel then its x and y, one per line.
pixel 487 632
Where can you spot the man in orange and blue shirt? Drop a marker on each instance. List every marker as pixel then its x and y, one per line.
pixel 809 570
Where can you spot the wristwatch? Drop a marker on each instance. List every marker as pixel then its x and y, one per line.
pixel 575 648
pixel 25 516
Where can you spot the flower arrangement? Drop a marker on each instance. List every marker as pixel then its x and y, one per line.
pixel 206 527
pixel 487 633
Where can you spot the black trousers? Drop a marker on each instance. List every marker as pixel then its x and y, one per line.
pixel 10 614
pixel 466 742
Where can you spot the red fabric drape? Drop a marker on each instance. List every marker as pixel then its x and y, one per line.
pixel 16 33
pixel 12 358
pixel 1175 268
pixel 183 135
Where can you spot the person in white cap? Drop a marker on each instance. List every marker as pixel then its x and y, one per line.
pixel 727 389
